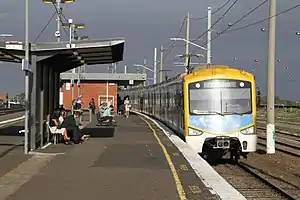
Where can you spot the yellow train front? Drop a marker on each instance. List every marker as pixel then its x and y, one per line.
pixel 213 108
pixel 220 111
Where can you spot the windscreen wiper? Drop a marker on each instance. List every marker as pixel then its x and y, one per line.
pixel 236 113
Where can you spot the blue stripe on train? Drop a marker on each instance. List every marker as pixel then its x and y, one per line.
pixel 220 124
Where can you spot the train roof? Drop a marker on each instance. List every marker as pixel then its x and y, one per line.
pixel 220 67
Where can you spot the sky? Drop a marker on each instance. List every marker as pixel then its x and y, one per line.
pixel 149 24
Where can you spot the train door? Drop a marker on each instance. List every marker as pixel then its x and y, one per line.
pixel 160 103
pixel 141 99
pixel 153 102
pixel 171 104
pixel 167 104
pixel 177 106
pixel 150 101
pixel 182 106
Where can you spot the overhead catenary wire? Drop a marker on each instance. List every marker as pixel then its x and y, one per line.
pixel 173 42
pixel 47 24
pixel 243 17
pixel 60 15
pixel 217 21
pixel 262 20
pixel 216 11
pixel 182 25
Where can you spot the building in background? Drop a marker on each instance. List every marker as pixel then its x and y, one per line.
pixel 103 87
pixel 3 99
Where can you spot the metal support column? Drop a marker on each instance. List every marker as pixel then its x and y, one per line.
pixel 39 106
pixel 56 89
pixel 42 106
pixel 271 79
pixel 51 90
pixel 33 103
pixel 208 56
pixel 46 96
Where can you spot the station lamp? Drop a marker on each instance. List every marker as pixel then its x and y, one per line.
pixel 74 26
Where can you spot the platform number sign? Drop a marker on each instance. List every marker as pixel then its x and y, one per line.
pixel 131 82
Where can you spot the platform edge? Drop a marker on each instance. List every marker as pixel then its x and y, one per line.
pixel 216 184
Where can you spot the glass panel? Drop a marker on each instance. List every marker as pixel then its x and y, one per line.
pixel 235 100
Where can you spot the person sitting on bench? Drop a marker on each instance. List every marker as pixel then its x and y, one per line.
pixel 107 115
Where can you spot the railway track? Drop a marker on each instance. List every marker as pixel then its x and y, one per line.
pixel 287 121
pixel 285 142
pixel 283 128
pixel 9 111
pixel 253 184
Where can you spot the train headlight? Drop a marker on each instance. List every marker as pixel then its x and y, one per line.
pixel 194 132
pixel 248 131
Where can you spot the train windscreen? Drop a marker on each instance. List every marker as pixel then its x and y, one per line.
pixel 223 97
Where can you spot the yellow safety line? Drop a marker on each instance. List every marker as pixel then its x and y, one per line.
pixel 178 184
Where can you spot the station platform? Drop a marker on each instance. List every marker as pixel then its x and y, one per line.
pixel 132 161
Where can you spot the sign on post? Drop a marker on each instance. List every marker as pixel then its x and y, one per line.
pixel 68 86
pixel 14 45
pixel 25 65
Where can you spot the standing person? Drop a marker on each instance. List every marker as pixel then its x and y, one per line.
pixel 74 104
pixel 92 106
pixel 127 106
pixel 78 102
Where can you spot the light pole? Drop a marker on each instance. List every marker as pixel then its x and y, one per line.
pixel 187 40
pixel 209 36
pixel 146 68
pixel 26 69
pixel 72 26
pixel 80 68
pixel 192 43
pixel 57 4
pixel 189 59
pixel 161 63
pixel 154 65
pixel 161 68
pixel 271 79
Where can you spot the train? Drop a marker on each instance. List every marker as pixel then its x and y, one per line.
pixel 211 107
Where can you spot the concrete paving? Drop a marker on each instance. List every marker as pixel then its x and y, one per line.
pixel 126 162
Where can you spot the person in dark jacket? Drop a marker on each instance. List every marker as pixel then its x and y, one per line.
pixel 57 125
pixel 73 130
pixel 92 106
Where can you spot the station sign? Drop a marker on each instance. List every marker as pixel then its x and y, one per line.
pixel 14 45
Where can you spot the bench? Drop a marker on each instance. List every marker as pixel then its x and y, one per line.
pixel 55 132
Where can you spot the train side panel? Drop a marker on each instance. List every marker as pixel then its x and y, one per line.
pixel 163 102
